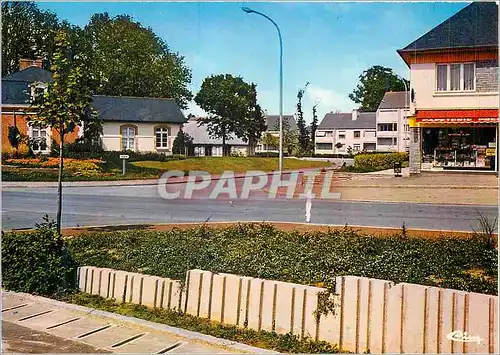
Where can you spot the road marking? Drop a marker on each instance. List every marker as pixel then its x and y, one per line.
pixel 14 307
pixel 172 347
pixel 36 315
pixel 94 331
pixel 128 340
pixel 63 323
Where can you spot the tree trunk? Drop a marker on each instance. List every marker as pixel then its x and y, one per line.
pixel 59 185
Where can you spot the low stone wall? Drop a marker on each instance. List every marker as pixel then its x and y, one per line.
pixel 371 314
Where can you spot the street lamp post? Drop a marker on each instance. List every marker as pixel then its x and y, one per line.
pixel 250 11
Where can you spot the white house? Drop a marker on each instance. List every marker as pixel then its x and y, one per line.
pixel 454 92
pixel 138 123
pixel 129 123
pixel 339 131
pixel 272 123
pixel 206 145
pixel 393 131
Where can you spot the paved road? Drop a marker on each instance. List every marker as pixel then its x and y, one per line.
pixel 87 206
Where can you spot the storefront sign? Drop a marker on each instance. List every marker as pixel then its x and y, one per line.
pixel 490 152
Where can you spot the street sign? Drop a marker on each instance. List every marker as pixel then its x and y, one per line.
pixel 124 156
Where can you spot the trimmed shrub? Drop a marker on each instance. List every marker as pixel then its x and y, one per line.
pixel 37 262
pixel 379 161
pixel 262 251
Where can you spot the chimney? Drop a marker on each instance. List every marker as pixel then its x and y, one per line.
pixel 355 114
pixel 26 63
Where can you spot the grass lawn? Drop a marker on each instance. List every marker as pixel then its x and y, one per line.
pixel 149 169
pixel 217 165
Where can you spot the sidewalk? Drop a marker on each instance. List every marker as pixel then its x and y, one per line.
pixel 106 331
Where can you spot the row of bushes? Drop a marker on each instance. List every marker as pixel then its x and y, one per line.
pixel 379 161
pixel 38 262
pixel 260 250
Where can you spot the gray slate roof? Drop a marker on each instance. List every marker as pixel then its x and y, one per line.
pixel 273 121
pixel 200 135
pixel 476 25
pixel 15 86
pixel 137 109
pixel 365 120
pixel 394 100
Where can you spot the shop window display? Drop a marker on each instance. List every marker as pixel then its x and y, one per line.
pixel 461 147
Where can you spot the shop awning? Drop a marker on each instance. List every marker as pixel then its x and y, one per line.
pixel 457 116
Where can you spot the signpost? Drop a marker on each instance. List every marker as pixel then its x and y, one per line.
pixel 124 158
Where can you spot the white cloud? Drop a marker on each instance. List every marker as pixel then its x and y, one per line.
pixel 328 100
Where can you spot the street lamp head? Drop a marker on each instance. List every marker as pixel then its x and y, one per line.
pixel 247 10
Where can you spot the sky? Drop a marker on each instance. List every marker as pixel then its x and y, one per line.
pixel 325 44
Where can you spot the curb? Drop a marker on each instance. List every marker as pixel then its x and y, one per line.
pixel 144 323
pixel 457 187
pixel 332 226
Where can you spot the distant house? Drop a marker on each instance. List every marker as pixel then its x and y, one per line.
pixel 393 131
pixel 138 123
pixel 339 131
pixel 129 123
pixel 272 123
pixel 205 145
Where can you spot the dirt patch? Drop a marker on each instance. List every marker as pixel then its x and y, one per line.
pixel 301 227
pixel 19 339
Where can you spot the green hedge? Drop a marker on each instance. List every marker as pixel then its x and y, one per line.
pixel 380 160
pixel 37 262
pixel 260 250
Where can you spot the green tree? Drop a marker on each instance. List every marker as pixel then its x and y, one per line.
pixel 227 100
pixel 254 123
pixel 183 143
pixel 131 60
pixel 268 140
pixel 314 125
pixel 374 83
pixel 66 101
pixel 303 137
pixel 27 32
pixel 290 137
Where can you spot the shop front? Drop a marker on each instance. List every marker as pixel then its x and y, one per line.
pixel 456 140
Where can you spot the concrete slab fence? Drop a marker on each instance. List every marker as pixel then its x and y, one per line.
pixel 371 314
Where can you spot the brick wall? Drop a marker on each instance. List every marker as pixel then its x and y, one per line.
pixel 487 76
pixel 22 125
pixel 8 121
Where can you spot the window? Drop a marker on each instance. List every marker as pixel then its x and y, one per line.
pixel 442 77
pixel 39 138
pixel 324 146
pixel 357 134
pixel 162 134
pixel 356 147
pixel 469 76
pixel 320 134
pixel 342 135
pixel 128 137
pixel 387 127
pixel 329 134
pixel 455 77
pixel 387 141
pixel 407 128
